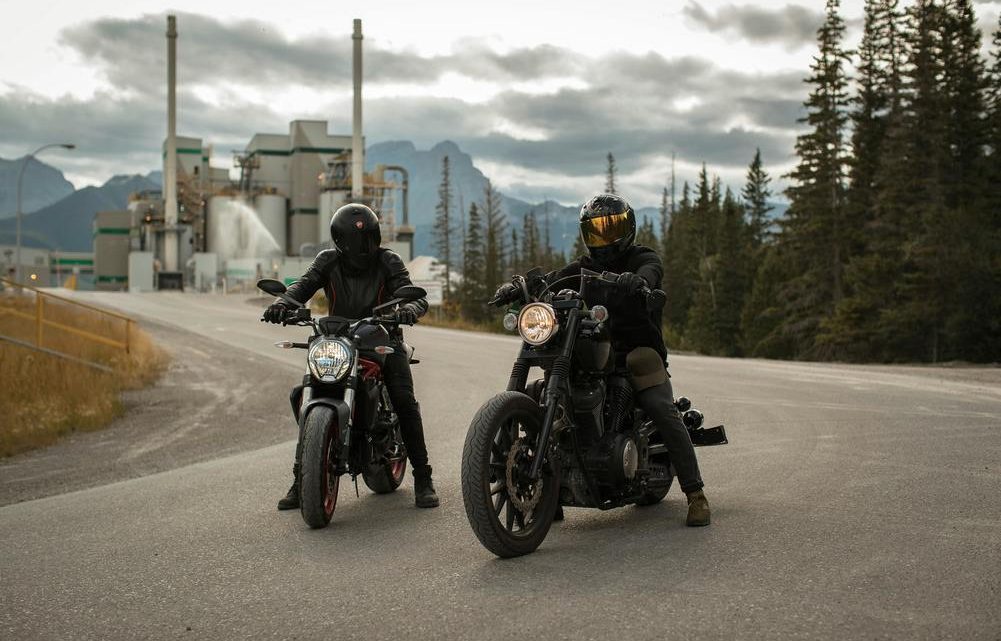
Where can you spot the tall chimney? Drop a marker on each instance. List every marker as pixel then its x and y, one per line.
pixel 357 149
pixel 170 247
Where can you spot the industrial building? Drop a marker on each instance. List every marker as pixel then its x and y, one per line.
pixel 208 229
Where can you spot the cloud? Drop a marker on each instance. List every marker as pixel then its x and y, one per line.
pixel 640 106
pixel 792 25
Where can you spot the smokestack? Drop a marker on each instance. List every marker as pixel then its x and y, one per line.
pixel 357 150
pixel 170 248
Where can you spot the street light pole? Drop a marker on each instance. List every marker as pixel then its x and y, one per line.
pixel 20 176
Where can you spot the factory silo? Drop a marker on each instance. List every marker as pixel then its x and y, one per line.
pixel 271 209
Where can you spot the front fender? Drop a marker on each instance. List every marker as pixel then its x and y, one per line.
pixel 337 405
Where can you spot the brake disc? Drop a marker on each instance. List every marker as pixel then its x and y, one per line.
pixel 514 492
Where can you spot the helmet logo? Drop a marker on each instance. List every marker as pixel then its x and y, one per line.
pixel 359 224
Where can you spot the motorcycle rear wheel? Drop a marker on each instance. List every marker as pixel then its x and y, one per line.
pixel 507 419
pixel 385 477
pixel 318 483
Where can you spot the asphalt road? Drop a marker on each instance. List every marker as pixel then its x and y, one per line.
pixel 852 502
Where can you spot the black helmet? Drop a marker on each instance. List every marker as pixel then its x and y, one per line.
pixel 607 227
pixel 355 231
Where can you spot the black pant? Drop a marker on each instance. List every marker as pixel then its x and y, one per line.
pixel 400 385
pixel 658 403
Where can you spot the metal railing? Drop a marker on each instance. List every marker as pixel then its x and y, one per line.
pixel 41 322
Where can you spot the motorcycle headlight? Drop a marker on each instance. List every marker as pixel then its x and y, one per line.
pixel 537 323
pixel 329 360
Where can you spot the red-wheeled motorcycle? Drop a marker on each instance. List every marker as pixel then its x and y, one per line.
pixel 346 420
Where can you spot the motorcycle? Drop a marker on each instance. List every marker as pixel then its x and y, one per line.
pixel 345 417
pixel 572 438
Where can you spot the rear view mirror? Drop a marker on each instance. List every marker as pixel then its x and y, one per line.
pixel 410 292
pixel 271 286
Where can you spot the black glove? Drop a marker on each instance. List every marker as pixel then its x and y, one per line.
pixel 406 314
pixel 276 312
pixel 504 294
pixel 630 283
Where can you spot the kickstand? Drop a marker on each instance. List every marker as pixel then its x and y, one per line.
pixel 354 477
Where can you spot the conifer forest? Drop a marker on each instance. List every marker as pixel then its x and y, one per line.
pixel 890 248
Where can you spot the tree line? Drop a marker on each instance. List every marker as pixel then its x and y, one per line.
pixel 890 249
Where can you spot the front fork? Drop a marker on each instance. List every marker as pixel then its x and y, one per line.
pixel 350 386
pixel 558 377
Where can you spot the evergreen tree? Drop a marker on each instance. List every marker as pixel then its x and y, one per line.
pixel 474 291
pixel 681 264
pixel 756 194
pixel 443 225
pixel 645 234
pixel 610 175
pixel 532 254
pixel 814 228
pixel 495 227
pixel 732 277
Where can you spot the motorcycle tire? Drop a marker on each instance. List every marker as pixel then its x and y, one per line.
pixel 384 478
pixel 318 485
pixel 653 497
pixel 485 456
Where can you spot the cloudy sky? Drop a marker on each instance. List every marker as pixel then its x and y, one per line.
pixel 537 92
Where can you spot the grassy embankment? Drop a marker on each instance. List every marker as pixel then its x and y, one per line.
pixel 42 396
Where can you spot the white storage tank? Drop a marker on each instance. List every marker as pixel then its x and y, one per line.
pixel 271 209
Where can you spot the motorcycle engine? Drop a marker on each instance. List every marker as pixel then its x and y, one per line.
pixel 614 459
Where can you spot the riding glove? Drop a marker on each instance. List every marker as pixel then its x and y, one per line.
pixel 276 312
pixel 406 314
pixel 504 294
pixel 630 283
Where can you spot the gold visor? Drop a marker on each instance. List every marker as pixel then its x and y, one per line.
pixel 599 232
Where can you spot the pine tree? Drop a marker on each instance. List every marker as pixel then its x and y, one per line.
pixel 443 225
pixel 646 235
pixel 732 277
pixel 474 291
pixel 681 264
pixel 532 254
pixel 495 227
pixel 756 194
pixel 610 175
pixel 814 227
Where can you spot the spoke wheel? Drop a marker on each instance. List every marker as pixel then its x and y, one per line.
pixel 510 513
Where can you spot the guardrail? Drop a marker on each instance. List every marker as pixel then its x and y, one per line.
pixel 41 321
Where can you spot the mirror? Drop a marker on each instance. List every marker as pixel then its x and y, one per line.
pixel 271 286
pixel 410 292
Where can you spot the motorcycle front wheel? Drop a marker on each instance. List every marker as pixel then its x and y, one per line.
pixel 509 513
pixel 318 483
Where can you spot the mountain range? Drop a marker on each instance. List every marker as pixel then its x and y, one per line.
pixel 62 218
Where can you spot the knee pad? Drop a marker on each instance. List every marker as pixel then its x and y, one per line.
pixel 646 368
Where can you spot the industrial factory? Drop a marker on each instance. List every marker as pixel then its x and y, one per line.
pixel 212 227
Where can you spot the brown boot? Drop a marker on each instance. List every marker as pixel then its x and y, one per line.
pixel 698 509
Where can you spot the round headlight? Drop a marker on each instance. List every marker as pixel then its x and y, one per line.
pixel 537 323
pixel 329 360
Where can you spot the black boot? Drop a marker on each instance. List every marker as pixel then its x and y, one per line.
pixel 291 500
pixel 424 494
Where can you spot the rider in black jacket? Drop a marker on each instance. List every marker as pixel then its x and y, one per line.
pixel 356 276
pixel 608 229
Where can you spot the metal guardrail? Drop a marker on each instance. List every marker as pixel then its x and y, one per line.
pixel 41 322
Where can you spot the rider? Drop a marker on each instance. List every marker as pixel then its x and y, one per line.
pixel 356 276
pixel 608 229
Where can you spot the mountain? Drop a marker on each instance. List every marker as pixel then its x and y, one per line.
pixel 68 224
pixel 468 184
pixel 42 185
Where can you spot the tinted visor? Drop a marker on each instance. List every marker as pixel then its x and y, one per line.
pixel 603 231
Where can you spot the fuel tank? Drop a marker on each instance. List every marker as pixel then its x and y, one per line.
pixel 593 353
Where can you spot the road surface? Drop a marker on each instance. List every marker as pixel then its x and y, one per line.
pixel 852 502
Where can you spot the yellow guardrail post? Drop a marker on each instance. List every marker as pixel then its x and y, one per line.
pixel 128 335
pixel 38 318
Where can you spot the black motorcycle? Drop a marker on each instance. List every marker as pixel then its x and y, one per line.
pixel 346 420
pixel 572 438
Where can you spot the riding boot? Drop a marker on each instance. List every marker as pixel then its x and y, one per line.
pixel 698 509
pixel 424 494
pixel 291 501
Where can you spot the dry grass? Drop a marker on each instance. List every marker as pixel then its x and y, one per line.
pixel 42 396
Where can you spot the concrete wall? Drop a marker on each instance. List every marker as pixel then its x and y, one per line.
pixel 111 249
